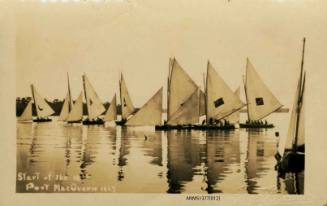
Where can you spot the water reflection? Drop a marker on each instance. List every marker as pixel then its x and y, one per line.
pixel 144 160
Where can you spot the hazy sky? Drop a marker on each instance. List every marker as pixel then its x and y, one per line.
pixel 138 36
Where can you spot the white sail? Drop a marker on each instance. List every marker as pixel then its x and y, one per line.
pixel 180 88
pixel 221 100
pixel 188 112
pixel 127 107
pixel 287 143
pixel 111 113
pixel 260 100
pixel 235 117
pixel 65 109
pixel 94 105
pixel 43 109
pixel 150 113
pixel 202 103
pixel 27 113
pixel 77 111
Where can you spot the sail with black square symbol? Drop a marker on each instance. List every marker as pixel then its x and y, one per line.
pixel 259 101
pixel 219 102
pixel 220 99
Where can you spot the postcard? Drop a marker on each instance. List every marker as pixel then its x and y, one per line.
pixel 121 102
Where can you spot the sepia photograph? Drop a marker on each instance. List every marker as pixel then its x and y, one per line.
pixel 197 100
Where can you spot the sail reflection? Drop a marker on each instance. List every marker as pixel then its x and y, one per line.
pixel 134 159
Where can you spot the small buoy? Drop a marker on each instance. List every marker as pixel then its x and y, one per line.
pixel 277 134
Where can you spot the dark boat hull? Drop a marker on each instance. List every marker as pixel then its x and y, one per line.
pixel 120 122
pixel 251 125
pixel 292 162
pixel 93 122
pixel 42 120
pixel 193 127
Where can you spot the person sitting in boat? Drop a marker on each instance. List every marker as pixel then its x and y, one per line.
pixel 204 122
pixel 211 121
pixel 165 122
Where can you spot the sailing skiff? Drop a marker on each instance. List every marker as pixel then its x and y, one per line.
pixel 291 150
pixel 42 108
pixel 94 105
pixel 261 102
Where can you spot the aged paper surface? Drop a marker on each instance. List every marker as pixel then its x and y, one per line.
pixel 42 41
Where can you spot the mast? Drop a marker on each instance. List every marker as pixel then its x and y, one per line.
pixel 245 90
pixel 32 88
pixel 120 95
pixel 299 100
pixel 70 97
pixel 168 85
pixel 170 70
pixel 87 110
pixel 206 94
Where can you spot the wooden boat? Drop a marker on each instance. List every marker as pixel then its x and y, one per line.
pixel 127 108
pixel 68 104
pixel 183 102
pixel 76 114
pixel 26 116
pixel 94 105
pixel 261 102
pixel 42 108
pixel 221 102
pixel 291 150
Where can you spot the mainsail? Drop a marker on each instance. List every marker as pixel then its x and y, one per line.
pixel 180 88
pixel 260 100
pixel 127 107
pixel 296 132
pixel 150 113
pixel 286 144
pixel 221 100
pixel 27 113
pixel 235 117
pixel 42 107
pixel 65 108
pixel 94 105
pixel 111 113
pixel 77 111
pixel 68 104
pixel 188 112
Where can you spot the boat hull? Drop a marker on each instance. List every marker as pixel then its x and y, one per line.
pixel 193 127
pixel 120 122
pixel 42 120
pixel 93 122
pixel 251 125
pixel 292 162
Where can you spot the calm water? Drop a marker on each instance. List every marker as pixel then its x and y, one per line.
pixel 77 158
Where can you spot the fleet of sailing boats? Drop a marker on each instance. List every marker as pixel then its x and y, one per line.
pixel 187 103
